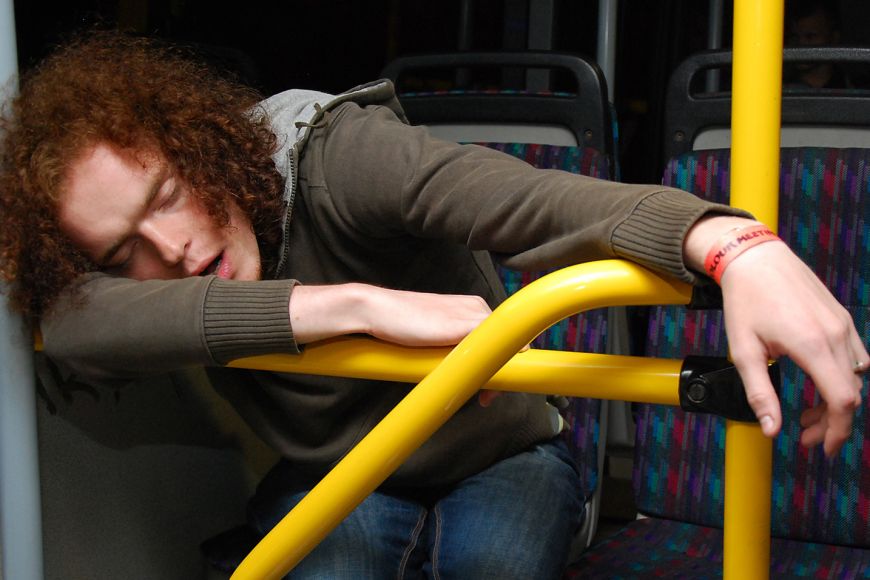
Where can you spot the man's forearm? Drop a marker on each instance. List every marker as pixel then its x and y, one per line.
pixel 409 318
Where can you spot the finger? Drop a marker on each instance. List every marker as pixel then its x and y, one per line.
pixel 815 422
pixel 834 377
pixel 845 400
pixel 813 415
pixel 814 434
pixel 759 391
pixel 839 424
pixel 486 397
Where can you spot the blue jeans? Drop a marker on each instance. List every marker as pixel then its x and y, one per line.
pixel 514 520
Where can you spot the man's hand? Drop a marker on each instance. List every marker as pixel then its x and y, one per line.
pixel 775 306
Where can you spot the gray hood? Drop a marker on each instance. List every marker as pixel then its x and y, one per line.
pixel 292 113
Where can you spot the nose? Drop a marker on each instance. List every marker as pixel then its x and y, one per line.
pixel 169 243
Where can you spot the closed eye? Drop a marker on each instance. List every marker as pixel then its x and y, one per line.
pixel 173 194
pixel 122 260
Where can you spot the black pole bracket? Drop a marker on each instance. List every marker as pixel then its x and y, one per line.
pixel 712 385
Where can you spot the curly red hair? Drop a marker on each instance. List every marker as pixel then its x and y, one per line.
pixel 134 94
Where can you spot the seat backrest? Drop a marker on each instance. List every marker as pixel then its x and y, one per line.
pixel 470 105
pixel 824 216
pixel 699 119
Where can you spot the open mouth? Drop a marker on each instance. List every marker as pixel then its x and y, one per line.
pixel 213 266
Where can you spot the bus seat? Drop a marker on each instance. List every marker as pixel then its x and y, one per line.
pixel 461 97
pixel 819 515
pixel 679 457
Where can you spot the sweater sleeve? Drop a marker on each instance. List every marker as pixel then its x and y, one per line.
pixel 390 179
pixel 116 328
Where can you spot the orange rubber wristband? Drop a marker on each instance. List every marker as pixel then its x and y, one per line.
pixel 732 244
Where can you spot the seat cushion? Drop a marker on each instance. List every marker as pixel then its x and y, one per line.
pixel 659 548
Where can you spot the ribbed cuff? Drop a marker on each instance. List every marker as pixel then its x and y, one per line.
pixel 248 318
pixel 653 235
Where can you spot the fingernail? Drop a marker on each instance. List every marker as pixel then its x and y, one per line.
pixel 766 424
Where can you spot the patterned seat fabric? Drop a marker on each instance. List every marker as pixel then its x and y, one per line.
pixel 678 469
pixel 581 160
pixel 659 548
pixel 584 332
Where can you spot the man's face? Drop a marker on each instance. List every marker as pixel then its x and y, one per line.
pixel 135 218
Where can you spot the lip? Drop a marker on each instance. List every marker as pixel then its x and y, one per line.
pixel 224 269
pixel 198 271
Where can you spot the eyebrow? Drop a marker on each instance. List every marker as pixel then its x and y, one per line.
pixel 156 185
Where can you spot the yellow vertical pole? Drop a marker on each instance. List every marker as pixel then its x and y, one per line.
pixel 756 107
pixel 755 131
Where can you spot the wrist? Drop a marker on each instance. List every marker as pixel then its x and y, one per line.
pixel 319 312
pixel 706 233
pixel 731 245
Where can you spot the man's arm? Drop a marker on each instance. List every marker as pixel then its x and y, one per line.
pixel 774 305
pixel 118 328
pixel 377 177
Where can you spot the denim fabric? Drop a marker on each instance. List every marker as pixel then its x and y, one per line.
pixel 514 520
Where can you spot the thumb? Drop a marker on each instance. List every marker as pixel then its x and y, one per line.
pixel 760 392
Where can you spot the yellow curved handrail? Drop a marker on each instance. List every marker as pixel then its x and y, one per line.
pixel 450 384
